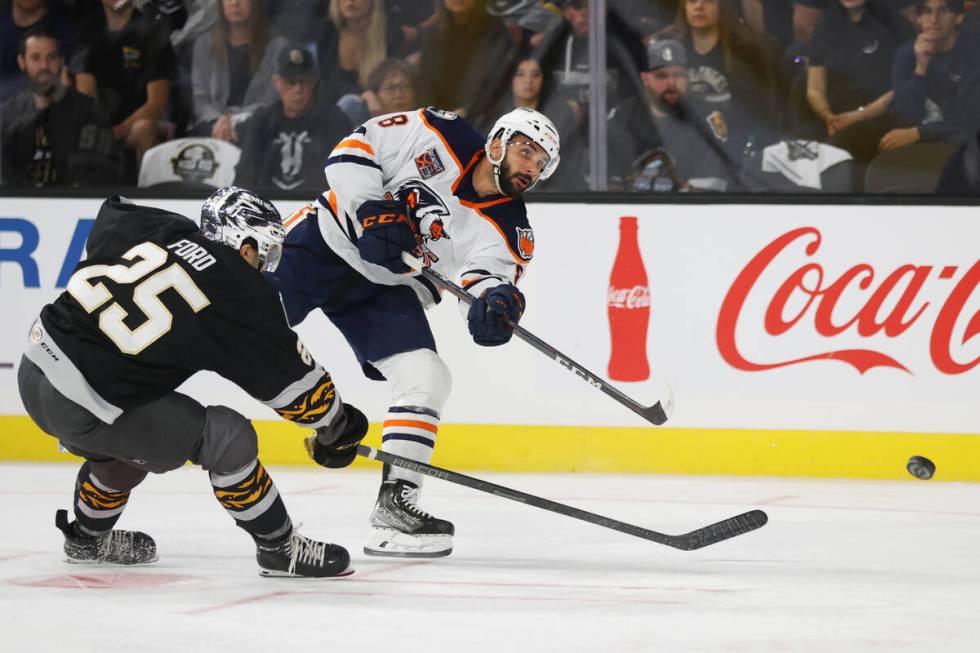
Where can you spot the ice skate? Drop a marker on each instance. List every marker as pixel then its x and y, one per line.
pixel 115 547
pixel 301 557
pixel 399 528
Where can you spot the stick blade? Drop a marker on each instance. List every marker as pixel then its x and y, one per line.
pixel 724 530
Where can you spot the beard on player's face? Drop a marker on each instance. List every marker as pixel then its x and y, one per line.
pixel 513 184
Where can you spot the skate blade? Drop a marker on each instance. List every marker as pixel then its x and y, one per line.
pixel 389 543
pixel 272 573
pixel 103 563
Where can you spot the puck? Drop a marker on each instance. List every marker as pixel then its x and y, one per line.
pixel 921 467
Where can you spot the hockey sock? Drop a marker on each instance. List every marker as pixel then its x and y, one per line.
pixel 409 431
pixel 251 498
pixel 98 505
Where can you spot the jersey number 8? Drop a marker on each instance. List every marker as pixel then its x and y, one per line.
pixel 146 295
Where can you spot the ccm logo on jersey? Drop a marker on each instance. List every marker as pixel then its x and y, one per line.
pixel 525 243
pixel 429 163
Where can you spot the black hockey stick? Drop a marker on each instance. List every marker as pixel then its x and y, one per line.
pixel 656 414
pixel 702 537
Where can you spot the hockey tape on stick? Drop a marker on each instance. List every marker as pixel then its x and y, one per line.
pixel 696 539
pixel 656 414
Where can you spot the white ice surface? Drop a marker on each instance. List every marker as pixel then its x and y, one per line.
pixel 842 566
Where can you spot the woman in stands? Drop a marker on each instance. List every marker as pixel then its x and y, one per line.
pixel 728 67
pixel 232 69
pixel 464 57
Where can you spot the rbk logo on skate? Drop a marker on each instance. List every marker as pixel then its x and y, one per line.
pixel 861 304
pixel 429 163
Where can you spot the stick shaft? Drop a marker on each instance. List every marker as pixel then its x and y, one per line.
pixel 694 540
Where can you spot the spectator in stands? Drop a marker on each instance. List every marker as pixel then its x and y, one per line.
pixel 566 57
pixel 52 134
pixel 728 68
pixel 128 67
pixel 936 79
pixel 464 57
pixel 529 88
pixel 849 77
pixel 526 20
pixel 284 146
pixel 356 38
pixel 232 69
pixel 16 19
pixel 390 88
pixel 670 129
pixel 808 14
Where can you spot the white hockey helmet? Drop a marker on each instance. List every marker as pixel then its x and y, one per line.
pixel 232 215
pixel 534 125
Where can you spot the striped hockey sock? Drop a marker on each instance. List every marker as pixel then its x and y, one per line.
pixel 251 498
pixel 97 505
pixel 409 431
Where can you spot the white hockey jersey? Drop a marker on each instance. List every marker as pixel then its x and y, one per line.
pixel 479 242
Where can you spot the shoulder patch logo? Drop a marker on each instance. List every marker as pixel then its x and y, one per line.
pixel 442 113
pixel 429 163
pixel 525 243
pixel 718 126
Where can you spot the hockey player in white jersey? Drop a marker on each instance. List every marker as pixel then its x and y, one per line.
pixel 427 183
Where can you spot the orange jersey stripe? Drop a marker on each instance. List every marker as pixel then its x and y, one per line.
pixel 444 142
pixel 360 145
pixel 425 426
pixel 303 212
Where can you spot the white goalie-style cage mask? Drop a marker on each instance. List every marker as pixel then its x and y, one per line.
pixel 232 215
pixel 533 124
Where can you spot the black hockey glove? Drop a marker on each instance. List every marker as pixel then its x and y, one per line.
pixel 493 315
pixel 387 233
pixel 335 446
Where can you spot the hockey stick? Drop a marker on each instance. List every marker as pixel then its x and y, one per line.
pixel 656 414
pixel 696 539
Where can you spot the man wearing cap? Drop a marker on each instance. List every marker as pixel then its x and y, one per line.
pixel 284 145
pixel 692 142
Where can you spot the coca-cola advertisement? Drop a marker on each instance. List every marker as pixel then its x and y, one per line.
pixel 628 302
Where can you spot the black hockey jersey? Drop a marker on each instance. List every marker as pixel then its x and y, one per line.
pixel 156 302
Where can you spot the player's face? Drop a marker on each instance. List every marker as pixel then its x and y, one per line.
pixel 237 11
pixel 41 63
pixel 938 21
pixel 522 166
pixel 397 93
pixel 666 85
pixel 355 9
pixel 702 14
pixel 527 81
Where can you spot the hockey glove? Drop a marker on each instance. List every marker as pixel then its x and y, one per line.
pixel 387 233
pixel 493 315
pixel 335 446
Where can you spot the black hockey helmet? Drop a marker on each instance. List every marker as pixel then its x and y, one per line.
pixel 231 215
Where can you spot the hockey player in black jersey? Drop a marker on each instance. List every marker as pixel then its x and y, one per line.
pixel 156 301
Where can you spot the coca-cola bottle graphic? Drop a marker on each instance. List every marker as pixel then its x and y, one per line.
pixel 629 308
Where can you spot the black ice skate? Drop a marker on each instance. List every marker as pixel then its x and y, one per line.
pixel 116 547
pixel 301 557
pixel 400 528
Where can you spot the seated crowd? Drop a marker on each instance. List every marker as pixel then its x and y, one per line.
pixel 703 95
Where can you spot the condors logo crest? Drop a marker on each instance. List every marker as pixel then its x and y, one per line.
pixel 893 302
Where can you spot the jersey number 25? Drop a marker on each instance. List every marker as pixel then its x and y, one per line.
pixel 146 295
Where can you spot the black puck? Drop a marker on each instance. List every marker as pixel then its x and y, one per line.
pixel 921 467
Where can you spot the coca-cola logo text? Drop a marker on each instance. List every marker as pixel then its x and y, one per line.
pixel 635 297
pixel 821 297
